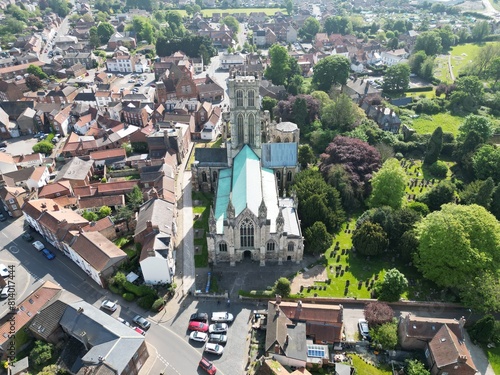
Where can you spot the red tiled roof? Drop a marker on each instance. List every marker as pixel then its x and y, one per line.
pixel 54 188
pixel 105 154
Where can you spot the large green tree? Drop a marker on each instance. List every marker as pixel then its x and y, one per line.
pixel 279 68
pixel 36 71
pixel 232 23
pixel 318 240
pixel 332 70
pixel 397 78
pixel 282 287
pixel 486 162
pixel 392 286
pixel 340 114
pixel 415 367
pixel 104 32
pixel 429 42
pixel 434 146
pixel 468 95
pixel 388 185
pixel 370 239
pixel 386 335
pixel 474 123
pixel 310 28
pixel 456 243
pixel 443 192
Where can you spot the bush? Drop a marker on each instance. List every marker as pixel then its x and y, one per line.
pixel 427 106
pixel 158 304
pixel 139 290
pixel 116 289
pixel 43 147
pixel 128 296
pixel 439 169
pixel 448 149
pixel 146 302
pixel 399 156
pixel 119 279
pixel 420 89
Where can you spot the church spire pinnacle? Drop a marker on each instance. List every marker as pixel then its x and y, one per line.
pixel 280 221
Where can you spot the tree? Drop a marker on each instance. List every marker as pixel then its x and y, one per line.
pixel 268 104
pixel 282 287
pixel 359 159
pixel 49 370
pixel 232 23
pixel 318 240
pixel 370 239
pixel 104 32
pixel 104 211
pixel 478 192
pixel 332 70
pixel 340 179
pixel 457 242
pixel 284 110
pixel 90 215
pixel 392 286
pixel 443 192
pixel 397 78
pixel 36 71
pixel 94 39
pixel 41 353
pixel 482 293
pixel 434 146
pixel 33 82
pixel 340 114
pixel 124 213
pixel 416 61
pixel 486 162
pixel 338 25
pixel 135 198
pixel 408 243
pixel 480 31
pixel 317 200
pixel 278 70
pixel 378 313
pixel 306 156
pixel 289 6
pixel 427 69
pixel 483 329
pixel 401 221
pixel 310 28
pixel 299 111
pixel 469 93
pixel 495 202
pixel 43 147
pixel 385 336
pixel 494 70
pixel 429 42
pixel 415 367
pixel 479 124
pixel 388 185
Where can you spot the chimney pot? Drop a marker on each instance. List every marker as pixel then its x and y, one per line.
pixel 56 207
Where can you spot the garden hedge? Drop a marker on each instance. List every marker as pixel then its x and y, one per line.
pixel 139 290
pixel 147 302
pixel 128 296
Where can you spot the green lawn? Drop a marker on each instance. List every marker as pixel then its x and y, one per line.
pixel 463 54
pixel 207 13
pixel 427 94
pixel 494 359
pixel 363 368
pixel 426 124
pixel 441 69
pixel 202 210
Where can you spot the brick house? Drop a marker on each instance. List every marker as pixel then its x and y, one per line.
pixel 13 199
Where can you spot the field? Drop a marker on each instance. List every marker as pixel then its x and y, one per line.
pixel 426 123
pixel 207 13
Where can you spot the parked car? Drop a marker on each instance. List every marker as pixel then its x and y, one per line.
pixel 38 245
pixel 5 292
pixel 198 336
pixel 3 149
pixel 214 348
pixel 141 322
pixel 109 305
pixel 364 330
pixel 4 271
pixel 222 317
pixel 198 326
pixel 123 321
pixel 27 237
pixel 48 254
pixel 217 338
pixel 208 366
pixel 217 328
pixel 2 217
pixel 199 317
pixel 120 75
pixel 140 330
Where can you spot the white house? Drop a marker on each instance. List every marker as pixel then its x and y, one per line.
pixel 40 177
pixel 229 60
pixel 155 231
pixel 291 34
pixel 7 163
pixel 142 65
pixel 394 57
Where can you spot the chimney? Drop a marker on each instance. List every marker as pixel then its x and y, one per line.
pixel 149 224
pixel 80 310
pixel 278 299
pixel 461 325
pixel 56 207
pixel 462 358
pixel 276 349
pixel 287 339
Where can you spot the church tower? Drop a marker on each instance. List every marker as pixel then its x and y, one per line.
pixel 245 121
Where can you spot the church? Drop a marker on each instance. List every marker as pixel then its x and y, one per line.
pixel 251 217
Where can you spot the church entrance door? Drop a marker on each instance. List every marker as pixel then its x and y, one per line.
pixel 247 254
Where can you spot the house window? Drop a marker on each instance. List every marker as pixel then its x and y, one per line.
pixel 240 129
pixel 291 247
pixel 251 98
pixel 14 206
pixel 271 246
pixel 289 176
pixel 246 233
pixel 239 98
pixel 223 247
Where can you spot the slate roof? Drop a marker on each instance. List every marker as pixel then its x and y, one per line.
pixel 276 327
pixel 279 154
pixel 211 156
pixel 159 212
pixel 97 250
pixel 75 169
pixel 45 324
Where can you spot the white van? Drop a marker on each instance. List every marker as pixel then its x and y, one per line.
pixel 222 317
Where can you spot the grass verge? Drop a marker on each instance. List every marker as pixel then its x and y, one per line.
pixel 493 355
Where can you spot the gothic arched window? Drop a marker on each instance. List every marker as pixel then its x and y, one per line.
pixel 222 247
pixel 240 128
pixel 239 98
pixel 204 176
pixel 289 176
pixel 251 98
pixel 246 233
pixel 271 246
pixel 251 129
pixel 291 247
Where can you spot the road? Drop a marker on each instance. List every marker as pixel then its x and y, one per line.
pixel 63 29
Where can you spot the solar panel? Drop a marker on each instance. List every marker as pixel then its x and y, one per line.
pixel 315 351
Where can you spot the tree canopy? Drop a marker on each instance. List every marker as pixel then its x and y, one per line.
pixel 318 240
pixel 397 78
pixel 278 70
pixel 104 32
pixel 392 286
pixel 310 28
pixel 457 242
pixel 332 70
pixel 377 313
pixel 388 185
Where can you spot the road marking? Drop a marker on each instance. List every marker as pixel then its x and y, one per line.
pixel 13 249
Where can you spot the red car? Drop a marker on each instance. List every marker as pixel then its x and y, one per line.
pixel 208 366
pixel 198 326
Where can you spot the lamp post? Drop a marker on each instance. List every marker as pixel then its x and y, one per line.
pixel 470 313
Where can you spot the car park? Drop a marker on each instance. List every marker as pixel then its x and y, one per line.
pixel 217 338
pixel 48 254
pixel 198 336
pixel 364 330
pixel 4 271
pixel 198 326
pixel 222 317
pixel 208 366
pixel 27 237
pixel 141 322
pixel 199 317
pixel 38 245
pixel 109 305
pixel 214 348
pixel 217 328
